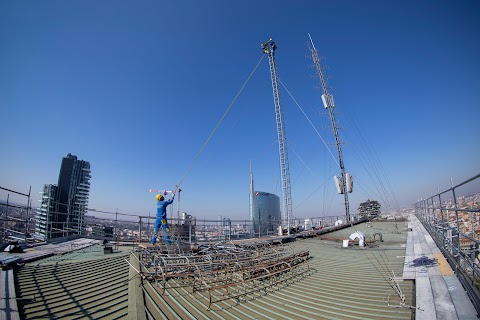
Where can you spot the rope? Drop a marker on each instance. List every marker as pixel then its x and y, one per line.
pixel 220 121
pixel 326 146
pixel 383 265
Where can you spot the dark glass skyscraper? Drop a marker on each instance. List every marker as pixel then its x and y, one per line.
pixel 266 213
pixel 63 208
pixel 264 210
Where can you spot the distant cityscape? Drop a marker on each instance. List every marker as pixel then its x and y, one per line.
pixel 64 207
pixel 468 222
pixel 19 222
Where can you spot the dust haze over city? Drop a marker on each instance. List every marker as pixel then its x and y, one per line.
pixel 137 90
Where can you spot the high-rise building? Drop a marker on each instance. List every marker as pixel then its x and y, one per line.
pixel 266 216
pixel 250 207
pixel 63 208
pixel 264 210
pixel 45 211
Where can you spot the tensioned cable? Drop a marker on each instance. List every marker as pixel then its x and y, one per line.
pixel 311 194
pixel 369 156
pixel 220 121
pixel 383 264
pixel 372 158
pixel 308 119
pixel 303 162
pixel 334 159
pixel 384 267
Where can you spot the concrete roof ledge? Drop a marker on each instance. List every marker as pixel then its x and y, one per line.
pixel 439 294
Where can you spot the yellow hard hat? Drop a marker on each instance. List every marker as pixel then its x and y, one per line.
pixel 159 197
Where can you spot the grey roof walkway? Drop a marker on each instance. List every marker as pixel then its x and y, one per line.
pixel 45 250
pixel 439 293
pixel 8 299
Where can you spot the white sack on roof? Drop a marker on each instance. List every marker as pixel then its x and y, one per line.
pixel 361 237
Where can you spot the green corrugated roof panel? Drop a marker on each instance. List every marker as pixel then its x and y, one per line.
pixel 88 289
pixel 344 283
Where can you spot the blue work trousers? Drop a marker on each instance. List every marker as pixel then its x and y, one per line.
pixel 161 220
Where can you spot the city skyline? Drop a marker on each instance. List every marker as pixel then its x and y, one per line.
pixel 146 85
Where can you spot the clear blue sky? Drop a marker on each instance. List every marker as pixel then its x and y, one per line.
pixel 136 88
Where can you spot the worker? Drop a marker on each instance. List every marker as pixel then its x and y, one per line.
pixel 272 44
pixel 162 205
pixel 268 46
pixel 264 47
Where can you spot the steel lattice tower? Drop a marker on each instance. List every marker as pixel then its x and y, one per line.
pixel 269 48
pixel 330 105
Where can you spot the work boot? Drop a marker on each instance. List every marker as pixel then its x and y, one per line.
pixel 154 239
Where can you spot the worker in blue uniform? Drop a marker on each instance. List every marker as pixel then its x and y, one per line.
pixel 269 46
pixel 162 205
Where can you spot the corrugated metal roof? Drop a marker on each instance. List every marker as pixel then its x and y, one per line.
pixel 343 283
pixel 88 289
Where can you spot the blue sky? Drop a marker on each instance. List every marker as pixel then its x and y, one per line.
pixel 136 88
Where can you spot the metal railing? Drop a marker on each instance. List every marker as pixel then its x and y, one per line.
pixel 25 224
pixel 452 219
pixel 16 216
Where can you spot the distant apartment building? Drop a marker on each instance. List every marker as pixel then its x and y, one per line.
pixel 369 208
pixel 63 206
pixel 102 231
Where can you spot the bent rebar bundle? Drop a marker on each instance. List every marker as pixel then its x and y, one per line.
pixel 225 270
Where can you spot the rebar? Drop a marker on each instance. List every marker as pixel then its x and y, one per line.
pixel 225 270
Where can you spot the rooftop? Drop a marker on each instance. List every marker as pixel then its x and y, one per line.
pixel 398 275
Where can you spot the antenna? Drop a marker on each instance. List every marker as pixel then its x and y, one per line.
pixel 344 183
pixel 269 47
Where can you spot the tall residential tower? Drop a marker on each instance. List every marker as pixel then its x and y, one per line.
pixel 63 208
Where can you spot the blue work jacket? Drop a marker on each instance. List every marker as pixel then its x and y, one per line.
pixel 162 207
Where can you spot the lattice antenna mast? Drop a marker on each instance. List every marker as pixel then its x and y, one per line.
pixel 269 48
pixel 344 184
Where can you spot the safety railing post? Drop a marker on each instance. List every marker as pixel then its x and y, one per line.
pixel 442 221
pixel 458 258
pixel 190 232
